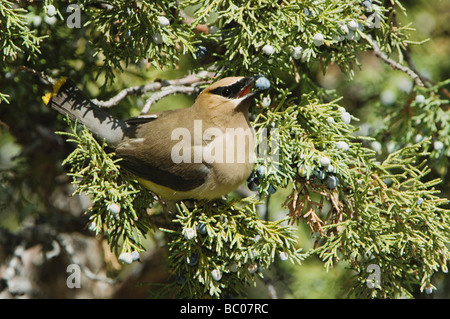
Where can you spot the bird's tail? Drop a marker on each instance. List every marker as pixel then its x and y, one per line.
pixel 69 100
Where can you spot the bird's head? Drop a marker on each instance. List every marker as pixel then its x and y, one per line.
pixel 229 93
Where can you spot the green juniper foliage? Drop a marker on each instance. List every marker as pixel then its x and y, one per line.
pixel 16 36
pixel 233 232
pixel 96 173
pixel 126 32
pixel 220 247
pixel 427 115
pixel 394 220
pixel 376 209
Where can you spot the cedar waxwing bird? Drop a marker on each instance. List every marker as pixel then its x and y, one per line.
pixel 201 152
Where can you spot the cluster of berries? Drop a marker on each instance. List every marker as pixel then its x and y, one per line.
pixel 193 258
pixel 253 182
pixel 324 173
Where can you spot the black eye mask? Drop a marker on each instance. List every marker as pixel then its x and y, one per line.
pixel 235 90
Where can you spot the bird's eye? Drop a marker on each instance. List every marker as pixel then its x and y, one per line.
pixel 223 91
pixel 226 92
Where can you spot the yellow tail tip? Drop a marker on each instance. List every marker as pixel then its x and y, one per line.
pixel 58 84
pixel 47 97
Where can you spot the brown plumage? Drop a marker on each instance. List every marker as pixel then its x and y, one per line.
pixel 201 152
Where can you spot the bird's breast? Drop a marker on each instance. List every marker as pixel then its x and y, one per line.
pixel 231 156
pixel 229 146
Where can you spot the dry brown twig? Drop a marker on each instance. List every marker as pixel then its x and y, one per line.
pixel 301 205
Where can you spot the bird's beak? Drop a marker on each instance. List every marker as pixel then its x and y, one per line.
pixel 248 84
pixel 246 90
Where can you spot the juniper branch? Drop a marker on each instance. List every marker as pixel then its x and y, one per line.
pixel 156 86
pixel 34 72
pixel 395 65
pixel 166 91
pixel 134 90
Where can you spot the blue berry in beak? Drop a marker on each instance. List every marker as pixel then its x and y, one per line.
pixel 262 83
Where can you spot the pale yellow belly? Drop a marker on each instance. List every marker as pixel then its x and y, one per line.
pixel 231 160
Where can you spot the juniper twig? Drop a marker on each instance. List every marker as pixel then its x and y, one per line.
pixel 395 65
pixel 156 86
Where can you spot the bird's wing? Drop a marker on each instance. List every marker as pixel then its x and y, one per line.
pixel 142 119
pixel 147 153
pixel 179 177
